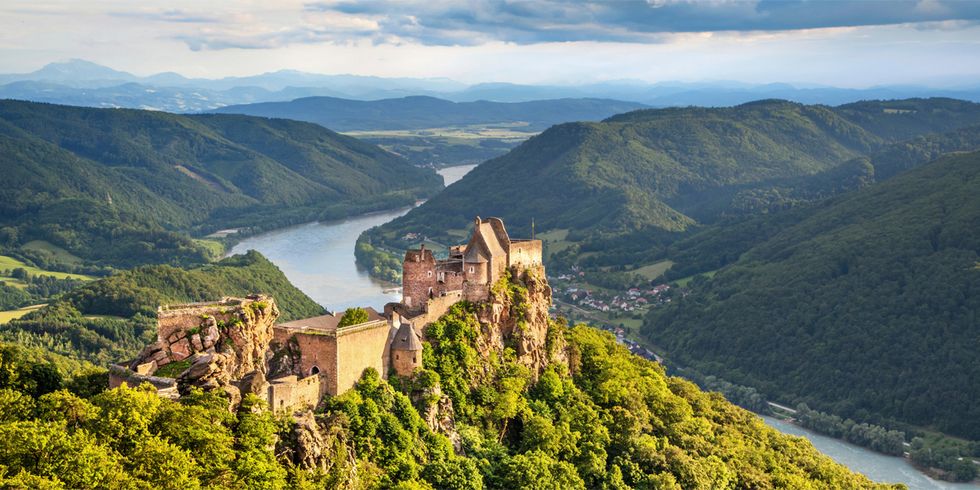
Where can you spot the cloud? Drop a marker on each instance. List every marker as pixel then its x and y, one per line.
pixel 438 22
pixel 172 15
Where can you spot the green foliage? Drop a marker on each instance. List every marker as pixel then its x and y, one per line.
pixel 112 318
pixel 353 316
pixel 667 169
pixel 120 186
pixel 608 420
pixel 860 307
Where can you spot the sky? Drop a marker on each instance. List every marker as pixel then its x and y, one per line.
pixel 819 42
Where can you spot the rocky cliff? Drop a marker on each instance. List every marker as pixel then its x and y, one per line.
pixel 211 345
pixel 516 315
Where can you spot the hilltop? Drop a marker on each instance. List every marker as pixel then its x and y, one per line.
pixel 864 306
pixel 112 318
pixel 667 170
pixel 113 186
pixel 505 398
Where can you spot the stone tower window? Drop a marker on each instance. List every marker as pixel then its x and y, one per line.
pixel 430 274
pixel 471 269
pixel 315 370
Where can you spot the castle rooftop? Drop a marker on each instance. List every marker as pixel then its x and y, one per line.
pixel 325 324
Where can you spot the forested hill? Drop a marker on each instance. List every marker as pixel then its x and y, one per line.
pixel 419 112
pixel 98 182
pixel 866 307
pixel 646 168
pixel 111 319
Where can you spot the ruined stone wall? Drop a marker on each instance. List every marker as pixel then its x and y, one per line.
pixel 240 327
pixel 361 347
pixel 405 362
pixel 525 253
pixel 290 392
pixel 434 308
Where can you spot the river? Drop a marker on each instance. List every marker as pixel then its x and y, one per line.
pixel 876 466
pixel 319 259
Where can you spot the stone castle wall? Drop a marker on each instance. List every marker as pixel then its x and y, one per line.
pixel 319 351
pixel 290 391
pixel 525 253
pixel 418 275
pixel 358 348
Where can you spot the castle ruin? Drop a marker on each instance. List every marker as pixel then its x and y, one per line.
pixel 237 346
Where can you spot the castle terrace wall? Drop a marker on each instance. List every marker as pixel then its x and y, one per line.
pixel 434 308
pixel 289 392
pixel 358 348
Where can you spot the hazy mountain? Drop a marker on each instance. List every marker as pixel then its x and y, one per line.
pixel 73 81
pixel 428 112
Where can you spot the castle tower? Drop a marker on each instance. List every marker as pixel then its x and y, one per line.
pixel 418 277
pixel 406 350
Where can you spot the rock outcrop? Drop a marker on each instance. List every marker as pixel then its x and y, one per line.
pixel 235 333
pixel 516 315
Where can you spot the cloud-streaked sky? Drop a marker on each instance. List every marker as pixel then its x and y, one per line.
pixel 842 43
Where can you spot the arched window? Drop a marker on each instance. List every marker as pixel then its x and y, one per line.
pixel 471 269
pixel 314 370
pixel 396 357
pixel 430 274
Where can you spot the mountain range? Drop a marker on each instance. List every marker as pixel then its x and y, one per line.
pixel 669 169
pixel 421 112
pixel 84 83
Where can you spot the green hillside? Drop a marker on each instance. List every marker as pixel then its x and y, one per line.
pixel 865 306
pixel 616 421
pixel 114 185
pixel 111 319
pixel 665 170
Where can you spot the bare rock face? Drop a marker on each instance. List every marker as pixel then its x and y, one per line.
pixel 441 419
pixel 520 319
pixel 208 371
pixel 240 329
pixel 311 451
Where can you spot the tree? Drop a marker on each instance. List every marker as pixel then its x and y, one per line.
pixel 353 316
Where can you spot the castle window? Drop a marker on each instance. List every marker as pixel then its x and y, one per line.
pixel 471 269
pixel 396 357
pixel 315 370
pixel 430 274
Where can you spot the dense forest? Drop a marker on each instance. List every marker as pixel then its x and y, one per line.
pixel 111 319
pixel 864 306
pixel 603 419
pixel 670 169
pixel 122 187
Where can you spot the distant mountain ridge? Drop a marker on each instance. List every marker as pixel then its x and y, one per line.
pixel 81 82
pixel 420 112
